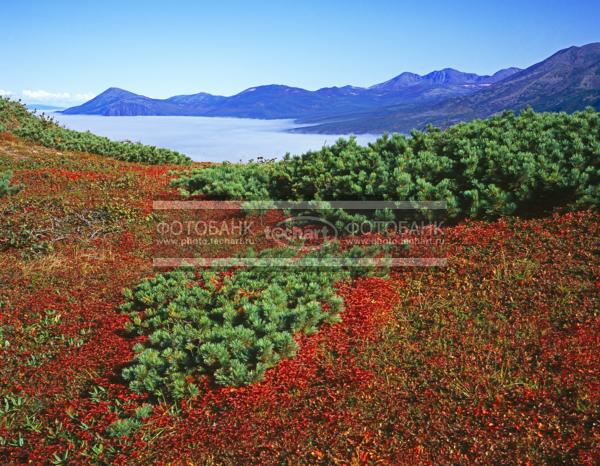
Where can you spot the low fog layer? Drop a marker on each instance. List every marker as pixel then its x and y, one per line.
pixel 206 139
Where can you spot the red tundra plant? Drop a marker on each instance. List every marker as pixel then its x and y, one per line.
pixel 488 360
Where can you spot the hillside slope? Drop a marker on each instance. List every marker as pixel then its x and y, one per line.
pixel 492 359
pixel 16 119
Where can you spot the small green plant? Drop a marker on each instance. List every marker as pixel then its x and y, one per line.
pixel 123 427
pixel 25 238
pixel 6 189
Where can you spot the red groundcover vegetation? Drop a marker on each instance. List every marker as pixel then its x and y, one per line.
pixel 492 359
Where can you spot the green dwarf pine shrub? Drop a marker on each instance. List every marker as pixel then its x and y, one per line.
pixel 6 189
pixel 230 325
pixel 504 165
pixel 229 181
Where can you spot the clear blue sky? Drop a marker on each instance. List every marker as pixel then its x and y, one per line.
pixel 63 51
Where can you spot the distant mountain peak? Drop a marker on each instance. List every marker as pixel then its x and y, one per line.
pixel 402 80
pixel 502 74
pixel 116 91
pixel 447 78
pixel 271 88
pixel 408 75
pixel 451 76
pixel 510 70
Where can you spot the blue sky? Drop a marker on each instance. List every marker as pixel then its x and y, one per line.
pixel 63 52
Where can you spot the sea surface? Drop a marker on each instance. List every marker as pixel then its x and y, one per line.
pixel 207 139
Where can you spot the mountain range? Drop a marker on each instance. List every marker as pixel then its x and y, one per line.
pixel 569 80
pixel 278 101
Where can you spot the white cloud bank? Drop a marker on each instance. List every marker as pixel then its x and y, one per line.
pixel 45 96
pixel 4 93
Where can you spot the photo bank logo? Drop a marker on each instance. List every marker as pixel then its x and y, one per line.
pixel 308 231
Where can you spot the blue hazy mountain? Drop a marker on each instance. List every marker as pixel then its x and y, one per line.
pixel 279 101
pixel 119 102
pixel 568 80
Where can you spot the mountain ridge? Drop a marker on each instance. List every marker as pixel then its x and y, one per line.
pixel 273 101
pixel 568 80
